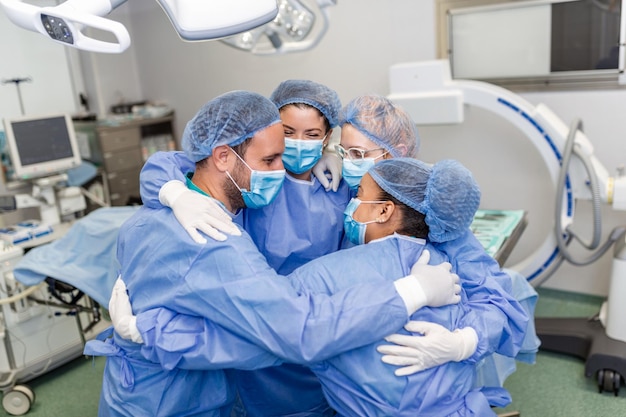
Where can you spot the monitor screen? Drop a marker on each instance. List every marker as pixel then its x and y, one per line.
pixel 538 43
pixel 42 145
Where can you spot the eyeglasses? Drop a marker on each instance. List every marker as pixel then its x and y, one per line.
pixel 356 154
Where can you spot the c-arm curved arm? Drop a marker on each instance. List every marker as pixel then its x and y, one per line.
pixel 428 92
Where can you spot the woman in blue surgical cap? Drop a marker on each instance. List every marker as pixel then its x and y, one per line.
pixel 373 129
pixel 302 224
pixel 400 202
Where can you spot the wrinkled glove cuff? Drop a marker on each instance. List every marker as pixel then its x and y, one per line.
pixel 469 342
pixel 133 331
pixel 170 191
pixel 411 292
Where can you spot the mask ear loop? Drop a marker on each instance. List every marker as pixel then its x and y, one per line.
pixel 228 173
pixel 231 178
pixel 241 159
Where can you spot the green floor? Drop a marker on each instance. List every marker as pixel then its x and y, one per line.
pixel 555 386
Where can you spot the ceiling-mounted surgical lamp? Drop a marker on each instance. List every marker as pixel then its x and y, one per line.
pixel 297 27
pixel 197 20
pixel 194 20
pixel 64 23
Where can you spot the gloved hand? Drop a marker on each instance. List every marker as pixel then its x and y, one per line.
pixel 440 286
pixel 437 346
pixel 332 163
pixel 428 285
pixel 195 211
pixel 121 312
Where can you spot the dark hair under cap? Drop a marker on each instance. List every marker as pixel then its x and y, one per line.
pixel 446 193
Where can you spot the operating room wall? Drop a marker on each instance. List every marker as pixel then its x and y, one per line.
pixel 365 38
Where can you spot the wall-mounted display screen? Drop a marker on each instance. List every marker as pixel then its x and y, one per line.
pixel 538 41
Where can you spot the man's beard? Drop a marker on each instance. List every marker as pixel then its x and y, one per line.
pixel 231 191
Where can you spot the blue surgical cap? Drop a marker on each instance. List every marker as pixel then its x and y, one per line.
pixel 384 123
pixel 308 92
pixel 446 193
pixel 228 119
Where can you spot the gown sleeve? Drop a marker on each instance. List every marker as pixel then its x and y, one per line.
pixel 190 342
pixel 160 168
pixel 496 316
pixel 247 298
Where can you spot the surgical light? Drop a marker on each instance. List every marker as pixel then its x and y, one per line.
pixel 193 20
pixel 296 27
pixel 196 20
pixel 64 23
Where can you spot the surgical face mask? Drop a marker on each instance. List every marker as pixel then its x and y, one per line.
pixel 301 155
pixel 352 170
pixel 264 186
pixel 355 230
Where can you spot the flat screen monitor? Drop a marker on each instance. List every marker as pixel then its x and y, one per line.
pixel 41 145
pixel 542 43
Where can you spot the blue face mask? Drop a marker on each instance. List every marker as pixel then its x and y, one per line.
pixel 264 186
pixel 353 172
pixel 355 230
pixel 301 155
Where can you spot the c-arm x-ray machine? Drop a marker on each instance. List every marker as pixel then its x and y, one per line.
pixel 430 95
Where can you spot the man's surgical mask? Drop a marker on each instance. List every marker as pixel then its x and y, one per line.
pixel 355 230
pixel 264 186
pixel 301 155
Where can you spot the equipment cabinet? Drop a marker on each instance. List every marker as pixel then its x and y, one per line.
pixel 125 147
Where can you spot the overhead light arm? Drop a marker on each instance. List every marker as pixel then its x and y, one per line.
pixel 210 19
pixel 64 23
pixel 194 20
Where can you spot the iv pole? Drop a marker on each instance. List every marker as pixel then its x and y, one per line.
pixel 17 82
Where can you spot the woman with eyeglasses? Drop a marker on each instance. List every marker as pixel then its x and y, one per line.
pixel 373 129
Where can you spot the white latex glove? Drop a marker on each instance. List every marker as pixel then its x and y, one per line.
pixel 121 312
pixel 195 211
pixel 437 346
pixel 429 285
pixel 328 171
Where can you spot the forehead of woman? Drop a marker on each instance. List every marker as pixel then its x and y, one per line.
pixel 368 188
pixel 351 137
pixel 302 117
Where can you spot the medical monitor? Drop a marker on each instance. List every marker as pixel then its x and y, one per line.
pixel 42 145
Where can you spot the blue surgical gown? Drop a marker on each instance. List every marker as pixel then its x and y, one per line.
pixel 357 382
pixel 475 267
pixel 465 252
pixel 303 223
pixel 231 284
